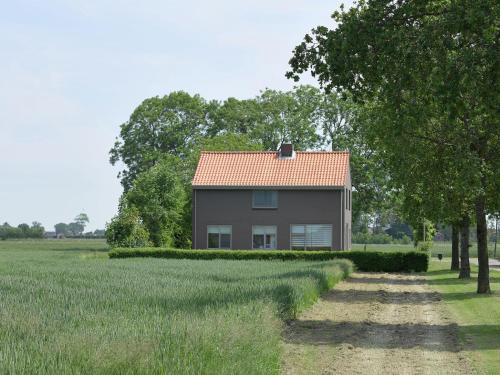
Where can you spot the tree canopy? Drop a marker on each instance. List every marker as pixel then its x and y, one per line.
pixel 430 70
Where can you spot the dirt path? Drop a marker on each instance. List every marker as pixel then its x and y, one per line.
pixel 375 324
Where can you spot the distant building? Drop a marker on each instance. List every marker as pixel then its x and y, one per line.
pixel 50 235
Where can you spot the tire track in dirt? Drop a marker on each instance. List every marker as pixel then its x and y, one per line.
pixel 375 324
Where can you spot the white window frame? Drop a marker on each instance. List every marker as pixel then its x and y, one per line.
pixel 230 236
pixel 264 207
pixel 306 247
pixel 275 233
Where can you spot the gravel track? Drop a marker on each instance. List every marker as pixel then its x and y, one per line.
pixel 375 323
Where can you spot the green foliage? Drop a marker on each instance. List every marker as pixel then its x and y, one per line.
pixel 477 318
pixel 378 238
pixel 179 126
pixel 423 232
pixel 21 231
pixel 170 125
pixel 82 219
pixel 147 316
pixel 76 229
pixel 287 116
pixel 127 229
pixel 364 261
pixel 61 229
pixel 430 69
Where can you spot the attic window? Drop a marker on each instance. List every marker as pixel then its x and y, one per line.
pixel 286 150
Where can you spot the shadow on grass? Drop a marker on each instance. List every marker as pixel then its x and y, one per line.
pixel 80 249
pixel 465 296
pixel 443 338
pixel 456 281
pixel 382 296
pixel 383 280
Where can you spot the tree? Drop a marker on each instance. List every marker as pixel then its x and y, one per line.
pixel 36 230
pixel 287 116
pixel 160 197
pixel 127 229
pixel 341 121
pixel 455 260
pixel 61 229
pixel 464 249
pixel 82 219
pixel 431 68
pixel 25 230
pixel 75 229
pixel 171 125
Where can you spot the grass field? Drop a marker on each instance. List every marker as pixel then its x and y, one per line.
pixel 65 308
pixel 478 316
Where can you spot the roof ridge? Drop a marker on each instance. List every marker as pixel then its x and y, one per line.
pixel 275 152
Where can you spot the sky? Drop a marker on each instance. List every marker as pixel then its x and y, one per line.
pixel 72 71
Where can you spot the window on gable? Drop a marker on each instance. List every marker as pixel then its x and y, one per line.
pixel 265 199
pixel 219 236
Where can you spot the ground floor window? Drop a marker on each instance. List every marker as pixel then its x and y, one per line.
pixel 311 236
pixel 264 237
pixel 219 236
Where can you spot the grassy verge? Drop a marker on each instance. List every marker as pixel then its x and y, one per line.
pixel 74 311
pixel 478 316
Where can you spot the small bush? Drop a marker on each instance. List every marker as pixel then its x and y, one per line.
pixel 373 261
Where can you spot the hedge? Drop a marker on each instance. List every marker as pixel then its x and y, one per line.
pixel 372 261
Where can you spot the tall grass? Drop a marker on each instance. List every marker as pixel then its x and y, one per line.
pixel 75 311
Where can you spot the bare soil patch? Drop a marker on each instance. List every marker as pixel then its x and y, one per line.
pixel 374 323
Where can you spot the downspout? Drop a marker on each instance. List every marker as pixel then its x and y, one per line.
pixel 194 221
pixel 342 219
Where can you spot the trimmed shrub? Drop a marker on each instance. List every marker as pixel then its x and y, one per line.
pixel 372 261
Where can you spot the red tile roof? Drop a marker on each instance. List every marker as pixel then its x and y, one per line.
pixel 267 169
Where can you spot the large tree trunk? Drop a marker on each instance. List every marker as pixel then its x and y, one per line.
pixel 483 277
pixel 455 260
pixel 464 249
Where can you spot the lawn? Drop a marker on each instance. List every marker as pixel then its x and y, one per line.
pixel 66 308
pixel 478 316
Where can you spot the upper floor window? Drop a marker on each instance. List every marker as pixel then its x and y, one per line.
pixel 265 199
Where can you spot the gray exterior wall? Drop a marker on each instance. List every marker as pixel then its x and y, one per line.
pixel 347 204
pixel 234 207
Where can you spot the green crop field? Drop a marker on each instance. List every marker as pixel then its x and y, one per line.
pixel 65 308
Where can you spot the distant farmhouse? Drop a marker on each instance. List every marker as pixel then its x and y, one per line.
pixel 272 200
pixel 49 234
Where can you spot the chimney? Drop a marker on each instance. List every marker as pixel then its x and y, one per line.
pixel 286 151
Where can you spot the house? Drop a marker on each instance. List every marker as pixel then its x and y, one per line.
pixel 49 234
pixel 272 200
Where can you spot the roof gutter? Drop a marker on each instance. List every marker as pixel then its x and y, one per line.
pixel 275 187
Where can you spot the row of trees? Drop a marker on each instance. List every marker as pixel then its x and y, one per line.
pixel 36 230
pixel 73 229
pixel 430 72
pixel 161 142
